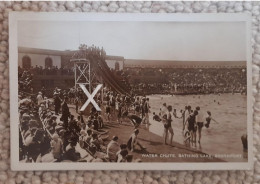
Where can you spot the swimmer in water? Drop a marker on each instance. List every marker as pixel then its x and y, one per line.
pixel 175 114
pixel 156 117
pixel 208 119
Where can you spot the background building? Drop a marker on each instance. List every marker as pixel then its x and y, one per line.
pixel 31 57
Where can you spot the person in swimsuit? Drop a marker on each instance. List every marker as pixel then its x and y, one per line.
pixel 163 110
pixel 208 119
pixel 199 122
pixel 191 125
pixel 156 117
pixel 168 125
pixel 133 141
pixel 175 114
pixel 186 114
pixel 136 120
pixel 137 106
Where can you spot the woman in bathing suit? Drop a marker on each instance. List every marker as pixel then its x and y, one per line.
pixel 208 119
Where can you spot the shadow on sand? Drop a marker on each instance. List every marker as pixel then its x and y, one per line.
pixel 154 143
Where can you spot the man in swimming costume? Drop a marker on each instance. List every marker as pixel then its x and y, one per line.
pixel 191 125
pixel 168 125
pixel 199 122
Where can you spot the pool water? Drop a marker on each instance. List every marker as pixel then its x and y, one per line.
pixel 224 137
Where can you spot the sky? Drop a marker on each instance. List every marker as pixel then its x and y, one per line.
pixel 189 41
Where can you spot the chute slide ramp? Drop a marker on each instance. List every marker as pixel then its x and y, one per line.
pixel 109 78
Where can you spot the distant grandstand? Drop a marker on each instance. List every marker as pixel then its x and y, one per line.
pixel 135 63
pixel 185 77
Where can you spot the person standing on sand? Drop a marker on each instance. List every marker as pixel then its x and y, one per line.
pixel 187 113
pixel 146 111
pixel 57 103
pixel 142 107
pixel 119 114
pixel 65 112
pixel 163 115
pixel 137 106
pixel 163 110
pixel 199 122
pixel 191 125
pixel 183 116
pixel 168 125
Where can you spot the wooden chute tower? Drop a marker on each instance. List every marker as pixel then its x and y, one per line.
pixel 85 69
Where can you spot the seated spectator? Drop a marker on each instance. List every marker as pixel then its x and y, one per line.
pixel 73 125
pixel 96 142
pixel 82 138
pixel 112 149
pixel 133 141
pixel 28 139
pixel 129 158
pixel 88 136
pixel 122 156
pixel 100 121
pixel 95 124
pixel 57 147
pixel 121 147
pixel 81 122
pixel 70 152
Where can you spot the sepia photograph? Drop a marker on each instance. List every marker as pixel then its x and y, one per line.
pixel 110 91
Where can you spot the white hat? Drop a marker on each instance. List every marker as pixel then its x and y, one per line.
pixel 83 132
pixel 55 136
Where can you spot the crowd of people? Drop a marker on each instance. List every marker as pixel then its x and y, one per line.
pixel 92 51
pixel 187 80
pixel 193 121
pixel 25 78
pixel 49 70
pixel 49 131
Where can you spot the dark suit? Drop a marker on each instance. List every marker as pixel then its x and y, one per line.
pixel 57 104
pixel 65 114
